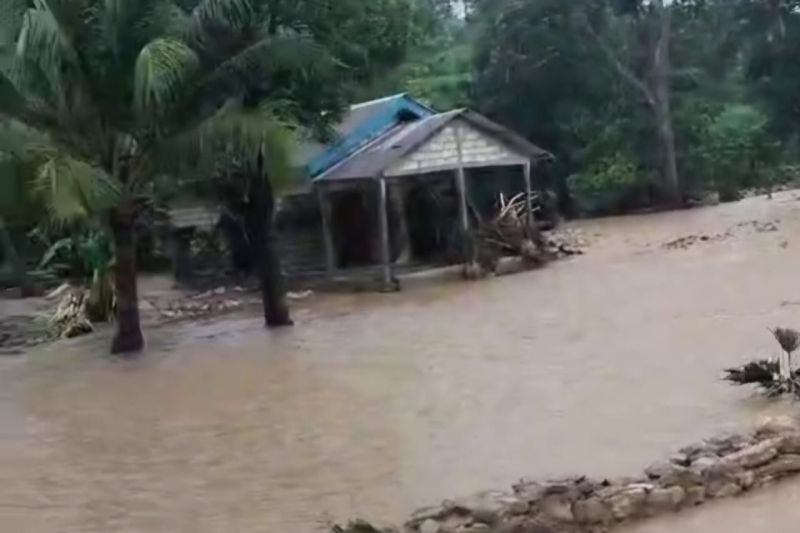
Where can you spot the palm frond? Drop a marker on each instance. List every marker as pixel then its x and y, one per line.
pixel 234 138
pixel 255 64
pixel 50 67
pixel 230 13
pixel 73 189
pixel 127 24
pixel 11 15
pixel 40 38
pixel 163 68
pixel 23 142
pixel 12 102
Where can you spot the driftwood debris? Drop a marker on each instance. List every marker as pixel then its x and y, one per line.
pixel 509 233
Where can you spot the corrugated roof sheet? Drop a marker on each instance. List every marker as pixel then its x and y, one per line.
pixel 379 155
pixel 362 123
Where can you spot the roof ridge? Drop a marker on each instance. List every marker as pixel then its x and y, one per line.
pixel 377 101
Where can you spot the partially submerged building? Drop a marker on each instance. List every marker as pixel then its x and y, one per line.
pixel 399 188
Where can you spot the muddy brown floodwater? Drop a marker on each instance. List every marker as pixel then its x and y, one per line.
pixel 376 404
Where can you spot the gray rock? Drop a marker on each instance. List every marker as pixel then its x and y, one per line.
pixel 518 507
pixel 477 528
pixel 782 466
pixel 680 459
pixel 362 526
pixel 571 487
pixel 746 479
pixel 725 444
pixel 557 508
pixel 723 489
pixel 429 526
pixel 777 425
pixel 671 474
pixel 627 503
pixel 704 464
pixel 485 516
pixel 755 455
pixel 694 496
pixel 696 450
pixel 420 515
pixel 529 491
pixel 484 507
pixel 658 470
pixel 791 444
pixel 665 500
pixel 592 511
pixel 524 525
pixel 588 486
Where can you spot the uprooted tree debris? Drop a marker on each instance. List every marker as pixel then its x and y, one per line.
pixel 511 232
pixel 773 376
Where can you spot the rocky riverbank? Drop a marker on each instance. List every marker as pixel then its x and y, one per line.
pixel 720 467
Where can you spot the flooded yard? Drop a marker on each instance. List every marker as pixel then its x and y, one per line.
pixel 376 404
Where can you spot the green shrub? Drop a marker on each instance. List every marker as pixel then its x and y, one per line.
pixel 610 185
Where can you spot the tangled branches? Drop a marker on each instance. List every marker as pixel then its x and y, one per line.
pixel 773 376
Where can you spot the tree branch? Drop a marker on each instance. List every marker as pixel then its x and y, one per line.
pixel 624 72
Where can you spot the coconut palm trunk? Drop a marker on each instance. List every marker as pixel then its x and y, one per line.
pixel 128 338
pixel 261 220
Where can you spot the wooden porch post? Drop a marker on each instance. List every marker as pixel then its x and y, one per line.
pixel 386 259
pixel 461 186
pixel 327 235
pixel 528 192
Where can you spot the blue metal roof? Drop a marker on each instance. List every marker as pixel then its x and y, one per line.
pixel 363 123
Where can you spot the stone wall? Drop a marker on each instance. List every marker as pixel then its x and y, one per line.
pixel 721 467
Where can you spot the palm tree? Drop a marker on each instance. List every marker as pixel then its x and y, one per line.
pixel 32 193
pixel 114 84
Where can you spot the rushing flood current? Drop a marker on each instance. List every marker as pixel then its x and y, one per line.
pixel 375 404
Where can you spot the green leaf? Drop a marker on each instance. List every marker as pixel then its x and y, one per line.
pixel 40 38
pixel 54 250
pixel 233 138
pixel 232 13
pixel 12 103
pixel 164 67
pixel 74 190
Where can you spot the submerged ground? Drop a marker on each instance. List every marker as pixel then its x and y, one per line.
pixel 376 404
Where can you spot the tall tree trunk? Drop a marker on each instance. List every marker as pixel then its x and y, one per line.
pixel 267 255
pixel 128 338
pixel 666 137
pixel 656 91
pixel 661 106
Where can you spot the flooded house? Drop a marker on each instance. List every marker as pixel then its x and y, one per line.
pixel 398 189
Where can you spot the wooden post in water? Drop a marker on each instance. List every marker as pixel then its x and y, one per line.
pixel 386 260
pixel 528 193
pixel 327 235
